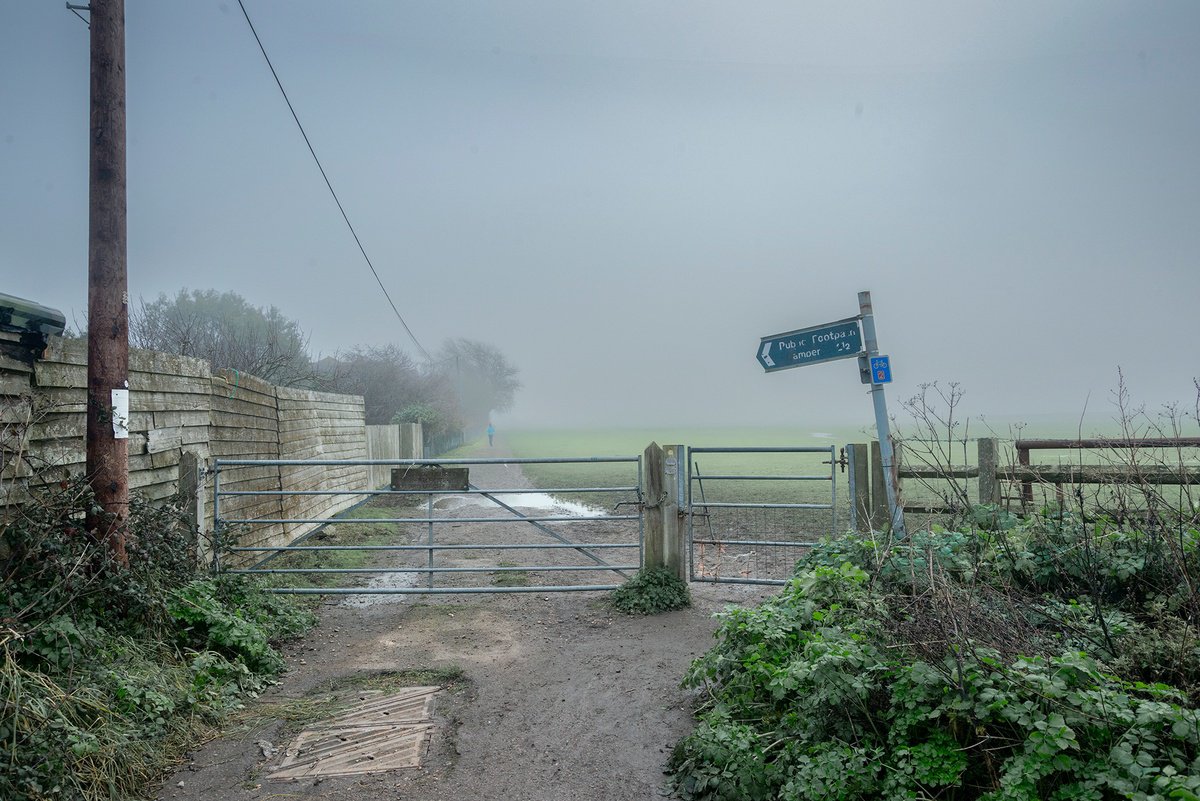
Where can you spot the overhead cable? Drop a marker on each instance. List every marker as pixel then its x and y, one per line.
pixel 336 200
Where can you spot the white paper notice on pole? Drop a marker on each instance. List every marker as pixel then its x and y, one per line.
pixel 120 413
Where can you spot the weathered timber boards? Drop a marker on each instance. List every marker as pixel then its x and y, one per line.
pixel 1104 474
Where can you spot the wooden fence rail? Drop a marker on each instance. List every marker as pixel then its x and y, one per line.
pixel 869 505
pixel 1027 474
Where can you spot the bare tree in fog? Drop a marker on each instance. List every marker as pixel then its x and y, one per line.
pixel 228 331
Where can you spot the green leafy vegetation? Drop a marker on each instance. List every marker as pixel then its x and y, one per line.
pixel 432 419
pixel 108 674
pixel 1046 659
pixel 651 591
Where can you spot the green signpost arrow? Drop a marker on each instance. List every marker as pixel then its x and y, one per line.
pixel 844 339
pixel 821 343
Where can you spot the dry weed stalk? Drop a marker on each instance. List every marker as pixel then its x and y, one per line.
pixel 938 434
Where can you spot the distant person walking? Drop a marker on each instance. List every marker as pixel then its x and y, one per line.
pixel 491 433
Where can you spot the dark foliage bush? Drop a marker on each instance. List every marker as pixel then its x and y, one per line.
pixel 107 672
pixel 1038 661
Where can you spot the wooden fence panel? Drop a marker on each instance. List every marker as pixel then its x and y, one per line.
pixel 320 425
pixel 383 442
pixel 245 425
pixel 178 406
pixel 169 413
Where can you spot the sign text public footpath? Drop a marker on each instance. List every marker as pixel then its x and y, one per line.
pixel 822 343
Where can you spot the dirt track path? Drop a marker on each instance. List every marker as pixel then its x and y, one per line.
pixel 561 697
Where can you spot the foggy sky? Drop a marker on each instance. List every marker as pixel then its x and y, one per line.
pixel 623 197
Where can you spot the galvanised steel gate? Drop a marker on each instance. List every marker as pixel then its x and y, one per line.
pixel 756 514
pixel 491 533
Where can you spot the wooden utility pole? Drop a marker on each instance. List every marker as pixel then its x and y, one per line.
pixel 108 296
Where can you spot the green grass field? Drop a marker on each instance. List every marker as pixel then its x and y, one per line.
pixel 632 442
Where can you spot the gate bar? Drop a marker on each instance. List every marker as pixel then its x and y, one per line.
pixel 352 520
pixel 496 547
pixel 766 449
pixel 719 580
pixel 535 521
pixel 793 543
pixel 765 505
pixel 422 462
pixel 766 478
pixel 252 571
pixel 548 491
pixel 431 590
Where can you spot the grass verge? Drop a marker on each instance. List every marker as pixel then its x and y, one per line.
pixel 108 673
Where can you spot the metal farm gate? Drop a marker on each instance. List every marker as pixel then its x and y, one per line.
pixel 755 515
pixel 443 526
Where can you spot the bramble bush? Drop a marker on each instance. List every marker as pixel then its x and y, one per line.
pixel 1039 660
pixel 652 591
pixel 108 673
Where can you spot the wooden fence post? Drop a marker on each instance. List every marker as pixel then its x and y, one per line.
pixel 191 500
pixel 897 466
pixel 858 468
pixel 989 466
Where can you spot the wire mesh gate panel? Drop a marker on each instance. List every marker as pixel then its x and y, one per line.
pixel 753 511
pixel 443 526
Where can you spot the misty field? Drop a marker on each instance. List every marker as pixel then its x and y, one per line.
pixel 716 478
pixel 528 443
pixel 632 442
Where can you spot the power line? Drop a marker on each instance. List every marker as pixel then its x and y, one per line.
pixel 74 9
pixel 336 200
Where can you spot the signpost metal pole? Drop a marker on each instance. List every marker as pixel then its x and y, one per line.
pixel 881 417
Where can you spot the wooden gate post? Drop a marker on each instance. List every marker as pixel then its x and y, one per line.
pixel 989 465
pixel 881 516
pixel 191 500
pixel 652 513
pixel 675 510
pixel 879 507
pixel 859 469
pixel 663 471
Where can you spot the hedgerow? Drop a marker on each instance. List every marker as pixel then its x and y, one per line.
pixel 1041 660
pixel 108 673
